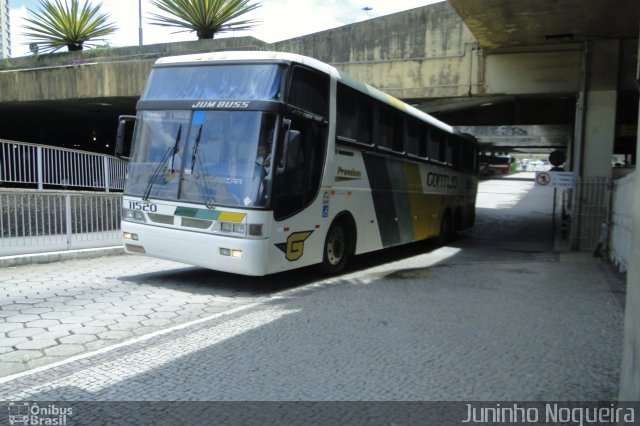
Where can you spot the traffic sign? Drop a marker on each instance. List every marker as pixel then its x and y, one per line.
pixel 559 180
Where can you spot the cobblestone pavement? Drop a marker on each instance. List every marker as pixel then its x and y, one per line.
pixel 495 316
pixel 49 312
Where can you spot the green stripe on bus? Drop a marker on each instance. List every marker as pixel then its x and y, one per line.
pixel 197 213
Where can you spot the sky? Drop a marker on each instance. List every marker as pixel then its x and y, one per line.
pixel 280 19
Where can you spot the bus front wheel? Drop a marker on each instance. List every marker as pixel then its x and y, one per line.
pixel 336 249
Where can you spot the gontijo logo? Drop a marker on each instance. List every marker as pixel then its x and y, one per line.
pixel 439 180
pixel 294 247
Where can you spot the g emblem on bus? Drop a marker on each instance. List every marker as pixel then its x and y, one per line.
pixel 294 247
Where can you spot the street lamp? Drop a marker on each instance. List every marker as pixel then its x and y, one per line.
pixel 140 22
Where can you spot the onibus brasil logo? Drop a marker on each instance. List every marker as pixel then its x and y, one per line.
pixel 26 413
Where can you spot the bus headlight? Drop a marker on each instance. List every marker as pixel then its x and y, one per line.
pixel 238 229
pixel 133 215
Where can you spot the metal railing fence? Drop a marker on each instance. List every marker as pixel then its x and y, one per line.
pixel 39 166
pixel 590 213
pixel 34 221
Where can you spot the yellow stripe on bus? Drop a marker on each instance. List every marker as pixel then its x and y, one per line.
pixel 396 102
pixel 231 217
pixel 418 202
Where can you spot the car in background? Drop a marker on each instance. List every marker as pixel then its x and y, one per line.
pixel 491 165
pixel 539 166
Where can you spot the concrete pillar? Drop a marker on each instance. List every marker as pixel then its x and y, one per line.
pixel 596 115
pixel 594 139
pixel 630 370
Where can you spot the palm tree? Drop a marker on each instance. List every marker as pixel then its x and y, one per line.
pixel 57 24
pixel 205 17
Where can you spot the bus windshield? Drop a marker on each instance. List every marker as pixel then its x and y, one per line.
pixel 230 82
pixel 210 157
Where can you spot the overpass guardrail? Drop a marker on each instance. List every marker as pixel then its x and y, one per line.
pixel 40 166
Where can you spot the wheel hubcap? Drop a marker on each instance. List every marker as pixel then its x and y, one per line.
pixel 335 246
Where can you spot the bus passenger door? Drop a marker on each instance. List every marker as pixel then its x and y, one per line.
pixel 300 158
pixel 302 147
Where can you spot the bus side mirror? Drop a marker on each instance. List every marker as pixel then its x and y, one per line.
pixel 124 128
pixel 290 150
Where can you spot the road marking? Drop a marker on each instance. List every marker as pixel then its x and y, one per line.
pixel 128 342
pixel 101 375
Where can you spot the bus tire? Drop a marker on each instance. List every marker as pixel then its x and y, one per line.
pixel 446 230
pixel 457 224
pixel 337 249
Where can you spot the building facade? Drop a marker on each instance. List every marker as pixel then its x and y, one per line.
pixel 5 33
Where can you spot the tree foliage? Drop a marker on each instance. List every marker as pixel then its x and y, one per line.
pixel 205 17
pixel 59 23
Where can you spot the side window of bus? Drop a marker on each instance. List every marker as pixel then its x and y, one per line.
pixel 468 157
pixel 414 138
pixel 453 152
pixel 309 91
pixel 397 141
pixel 299 181
pixel 354 116
pixel 383 128
pixel 389 129
pixel 435 149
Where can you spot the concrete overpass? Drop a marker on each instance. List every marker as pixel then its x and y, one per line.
pixel 450 59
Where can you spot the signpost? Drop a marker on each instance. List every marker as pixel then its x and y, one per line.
pixel 555 180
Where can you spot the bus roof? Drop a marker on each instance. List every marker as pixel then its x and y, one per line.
pixel 249 55
pixel 255 55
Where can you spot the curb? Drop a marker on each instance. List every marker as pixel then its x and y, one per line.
pixel 58 256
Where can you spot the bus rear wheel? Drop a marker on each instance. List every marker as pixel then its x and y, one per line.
pixel 446 230
pixel 336 249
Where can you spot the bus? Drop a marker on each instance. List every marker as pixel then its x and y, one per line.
pixel 491 165
pixel 254 163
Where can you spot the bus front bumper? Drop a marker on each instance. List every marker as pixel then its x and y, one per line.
pixel 221 253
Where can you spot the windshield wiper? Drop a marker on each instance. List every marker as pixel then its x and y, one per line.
pixel 176 148
pixel 171 152
pixel 195 148
pixel 205 190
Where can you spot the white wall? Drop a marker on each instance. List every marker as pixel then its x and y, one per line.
pixel 621 229
pixel 630 370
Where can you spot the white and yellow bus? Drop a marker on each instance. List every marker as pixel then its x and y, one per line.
pixel 260 162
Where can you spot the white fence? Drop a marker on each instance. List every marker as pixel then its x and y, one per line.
pixel 49 167
pixel 56 199
pixel 622 221
pixel 590 212
pixel 41 221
